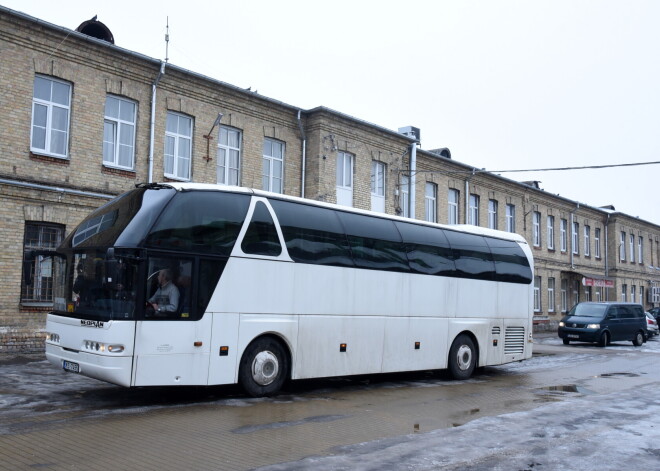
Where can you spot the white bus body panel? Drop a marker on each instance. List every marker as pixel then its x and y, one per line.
pixel 111 367
pixel 166 352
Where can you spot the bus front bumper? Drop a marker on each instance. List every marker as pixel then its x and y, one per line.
pixel 111 368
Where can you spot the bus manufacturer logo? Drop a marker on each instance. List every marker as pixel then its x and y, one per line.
pixel 86 323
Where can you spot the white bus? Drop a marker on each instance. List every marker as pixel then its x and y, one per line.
pixel 259 288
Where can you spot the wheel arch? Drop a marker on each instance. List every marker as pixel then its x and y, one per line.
pixel 475 341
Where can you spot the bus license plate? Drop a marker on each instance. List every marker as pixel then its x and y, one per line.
pixel 71 366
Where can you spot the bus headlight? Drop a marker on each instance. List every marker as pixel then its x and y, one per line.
pixel 593 326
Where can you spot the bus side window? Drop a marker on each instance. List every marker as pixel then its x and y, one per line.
pixel 261 236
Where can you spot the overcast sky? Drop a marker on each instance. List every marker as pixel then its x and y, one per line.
pixel 505 84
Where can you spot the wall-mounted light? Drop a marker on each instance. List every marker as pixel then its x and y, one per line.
pixel 209 136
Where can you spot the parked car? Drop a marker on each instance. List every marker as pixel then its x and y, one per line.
pixel 603 323
pixel 651 325
pixel 655 312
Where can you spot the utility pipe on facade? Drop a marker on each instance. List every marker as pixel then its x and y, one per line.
pixel 607 267
pixel 413 176
pixel 573 235
pixel 153 120
pixel 303 139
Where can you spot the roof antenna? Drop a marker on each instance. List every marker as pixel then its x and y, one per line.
pixel 167 40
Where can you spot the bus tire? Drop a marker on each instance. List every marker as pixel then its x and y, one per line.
pixel 264 367
pixel 462 357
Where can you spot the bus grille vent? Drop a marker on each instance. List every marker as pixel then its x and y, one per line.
pixel 496 330
pixel 514 340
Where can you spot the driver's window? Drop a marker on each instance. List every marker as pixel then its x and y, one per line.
pixel 169 288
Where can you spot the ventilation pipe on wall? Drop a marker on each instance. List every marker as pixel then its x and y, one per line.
pixel 413 132
pixel 153 121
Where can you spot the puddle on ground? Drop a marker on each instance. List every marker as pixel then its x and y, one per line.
pixel 618 375
pixel 554 393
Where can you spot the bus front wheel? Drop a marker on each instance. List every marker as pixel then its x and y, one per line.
pixel 264 367
pixel 462 357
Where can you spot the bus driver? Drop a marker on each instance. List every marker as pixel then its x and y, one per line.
pixel 166 298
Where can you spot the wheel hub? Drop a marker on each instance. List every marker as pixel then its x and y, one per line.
pixel 265 368
pixel 464 357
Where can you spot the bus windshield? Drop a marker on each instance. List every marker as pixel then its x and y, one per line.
pixel 98 287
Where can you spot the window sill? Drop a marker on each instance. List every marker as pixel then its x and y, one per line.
pixel 118 171
pixel 171 178
pixel 50 158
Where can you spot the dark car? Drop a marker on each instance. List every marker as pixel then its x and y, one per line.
pixel 655 312
pixel 604 323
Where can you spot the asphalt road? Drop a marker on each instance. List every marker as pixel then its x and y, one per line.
pixel 53 420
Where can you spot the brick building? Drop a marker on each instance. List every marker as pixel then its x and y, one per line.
pixel 85 120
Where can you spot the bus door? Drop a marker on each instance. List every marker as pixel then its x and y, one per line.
pixel 172 341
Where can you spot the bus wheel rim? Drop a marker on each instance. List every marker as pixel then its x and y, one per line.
pixel 265 368
pixel 464 357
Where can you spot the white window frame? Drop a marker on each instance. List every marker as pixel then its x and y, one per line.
pixel 378 186
pixel 181 164
pixel 511 217
pixel 587 240
pixel 536 228
pixel 52 108
pixel 640 249
pixel 641 295
pixel 537 294
pixel 452 206
pixel 632 248
pixel 228 156
pixel 551 232
pixel 575 235
pixel 405 196
pixel 431 202
pixel 344 178
pixel 272 178
pixel 622 247
pixel 551 294
pixel 597 242
pixel 563 235
pixel 564 294
pixel 633 293
pixel 474 210
pixel 624 293
pixel 117 141
pixel 492 214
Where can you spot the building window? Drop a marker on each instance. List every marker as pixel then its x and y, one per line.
pixel 622 247
pixel 598 295
pixel 576 292
pixel 431 202
pixel 536 228
pixel 40 270
pixel 551 233
pixel 510 218
pixel 119 133
pixel 624 293
pixel 597 242
pixel 563 236
pixel 551 295
pixel 229 156
pixel 178 146
pixel 576 238
pixel 492 214
pixel 640 249
pixel 633 292
pixel 587 293
pixel 587 240
pixel 377 186
pixel 474 210
pixel 641 295
pixel 632 248
pixel 537 294
pixel 564 295
pixel 344 178
pixel 452 201
pixel 51 109
pixel 405 196
pixel 273 166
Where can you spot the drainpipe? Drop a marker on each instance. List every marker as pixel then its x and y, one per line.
pixel 303 138
pixel 37 186
pixel 572 238
pixel 467 199
pixel 607 267
pixel 153 120
pixel 413 171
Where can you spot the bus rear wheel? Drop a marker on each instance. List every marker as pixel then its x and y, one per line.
pixel 264 367
pixel 462 357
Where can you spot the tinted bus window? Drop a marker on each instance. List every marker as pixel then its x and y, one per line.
pixel 375 242
pixel 261 236
pixel 200 221
pixel 313 235
pixel 511 264
pixel 428 249
pixel 471 256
